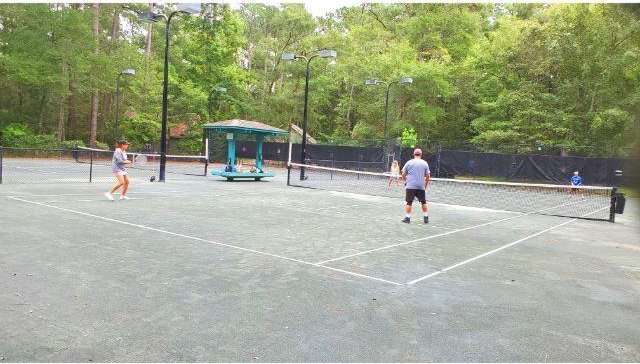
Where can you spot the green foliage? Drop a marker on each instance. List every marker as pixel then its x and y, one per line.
pixel 499 76
pixel 17 135
pixel 71 144
pixel 190 146
pixel 100 145
pixel 140 129
pixel 409 138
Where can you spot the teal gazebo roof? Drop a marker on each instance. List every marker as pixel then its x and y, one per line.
pixel 244 127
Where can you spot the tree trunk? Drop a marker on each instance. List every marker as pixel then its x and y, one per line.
pixel 148 48
pixel 72 114
pixel 19 113
pixel 94 94
pixel 115 33
pixel 43 103
pixel 349 109
pixel 115 29
pixel 147 52
pixel 61 131
pixel 61 121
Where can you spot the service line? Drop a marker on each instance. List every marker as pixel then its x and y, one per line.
pixel 498 249
pixel 443 234
pixel 205 240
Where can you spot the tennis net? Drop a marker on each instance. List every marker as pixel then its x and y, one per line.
pixel 586 202
pixel 193 165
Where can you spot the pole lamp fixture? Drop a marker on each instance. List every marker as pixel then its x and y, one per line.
pixel 375 82
pixel 183 8
pixel 124 72
pixel 324 53
pixel 216 90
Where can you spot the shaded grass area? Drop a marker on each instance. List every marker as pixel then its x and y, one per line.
pixel 630 192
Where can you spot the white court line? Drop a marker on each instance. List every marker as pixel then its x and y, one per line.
pixel 443 234
pixel 155 197
pixel 136 193
pixel 205 240
pixel 497 249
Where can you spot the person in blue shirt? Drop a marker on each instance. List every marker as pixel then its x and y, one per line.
pixel 576 182
pixel 416 175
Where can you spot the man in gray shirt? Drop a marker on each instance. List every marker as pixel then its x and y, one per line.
pixel 416 175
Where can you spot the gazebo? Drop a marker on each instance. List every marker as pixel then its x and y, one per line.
pixel 234 127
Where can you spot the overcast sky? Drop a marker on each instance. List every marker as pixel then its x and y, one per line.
pixel 315 7
pixel 321 8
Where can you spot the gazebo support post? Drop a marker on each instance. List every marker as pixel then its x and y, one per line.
pixel 205 142
pixel 259 140
pixel 231 142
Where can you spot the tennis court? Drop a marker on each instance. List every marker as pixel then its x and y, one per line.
pixel 198 269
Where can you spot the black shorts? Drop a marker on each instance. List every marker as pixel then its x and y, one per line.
pixel 412 194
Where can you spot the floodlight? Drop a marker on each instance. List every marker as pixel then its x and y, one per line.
pixel 327 53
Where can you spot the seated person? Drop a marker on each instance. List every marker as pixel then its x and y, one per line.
pixel 239 167
pixel 255 169
pixel 227 167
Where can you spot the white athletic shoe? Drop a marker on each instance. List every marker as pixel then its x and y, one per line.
pixel 124 197
pixel 108 196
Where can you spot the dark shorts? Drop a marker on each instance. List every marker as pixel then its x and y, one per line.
pixel 412 194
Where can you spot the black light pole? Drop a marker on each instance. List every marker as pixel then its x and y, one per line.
pixel 186 9
pixel 290 57
pixel 165 86
pixel 386 112
pixel 126 71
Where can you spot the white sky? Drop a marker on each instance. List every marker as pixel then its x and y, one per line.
pixel 321 8
pixel 316 8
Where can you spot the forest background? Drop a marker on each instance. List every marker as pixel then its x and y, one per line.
pixel 507 78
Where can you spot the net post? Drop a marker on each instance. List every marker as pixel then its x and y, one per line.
pixel 289 174
pixel 206 153
pixel 0 164
pixel 612 208
pixel 75 152
pixel 91 166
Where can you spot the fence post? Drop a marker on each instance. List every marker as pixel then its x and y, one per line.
pixel 0 164
pixel 612 208
pixel 91 166
pixel 439 152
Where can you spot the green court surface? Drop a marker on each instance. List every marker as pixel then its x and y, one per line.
pixel 201 269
